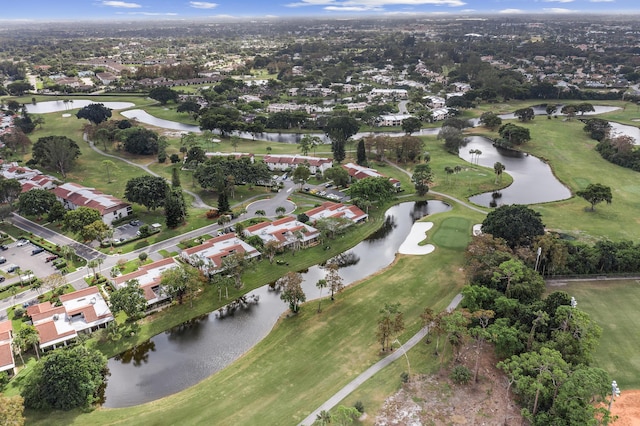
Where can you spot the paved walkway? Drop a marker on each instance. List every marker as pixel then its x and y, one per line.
pixel 355 383
pixel 197 201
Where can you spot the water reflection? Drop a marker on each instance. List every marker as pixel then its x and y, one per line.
pixel 345 259
pixel 190 353
pixel 66 105
pixel 388 225
pixel 138 354
pixel 533 179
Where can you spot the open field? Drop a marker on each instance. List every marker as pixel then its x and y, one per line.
pixel 270 384
pixel 614 306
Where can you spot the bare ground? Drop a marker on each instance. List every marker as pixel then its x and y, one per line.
pixel 627 408
pixel 436 400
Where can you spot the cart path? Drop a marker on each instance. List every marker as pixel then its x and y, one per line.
pixel 369 372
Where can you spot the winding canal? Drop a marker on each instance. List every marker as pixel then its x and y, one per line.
pixel 187 354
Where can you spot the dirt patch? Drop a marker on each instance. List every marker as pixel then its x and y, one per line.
pixel 436 400
pixel 627 408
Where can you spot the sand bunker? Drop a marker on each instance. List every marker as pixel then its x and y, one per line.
pixel 66 115
pixel 417 234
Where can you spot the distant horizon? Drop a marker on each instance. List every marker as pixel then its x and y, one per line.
pixel 240 10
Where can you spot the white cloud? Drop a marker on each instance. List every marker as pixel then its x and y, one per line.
pixel 353 9
pixel 202 5
pixel 601 1
pixel 362 5
pixel 122 4
pixel 153 13
pixel 558 10
pixel 511 11
pixel 558 1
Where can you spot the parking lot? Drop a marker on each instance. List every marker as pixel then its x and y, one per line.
pixel 22 257
pixel 127 231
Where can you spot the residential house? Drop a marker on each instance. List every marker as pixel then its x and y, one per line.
pixel 209 255
pixel 286 162
pixel 148 278
pixel 82 311
pixel 392 119
pixel 361 172
pixel 7 362
pixel 286 231
pixel 389 93
pixel 330 209
pixel 106 78
pixel 73 196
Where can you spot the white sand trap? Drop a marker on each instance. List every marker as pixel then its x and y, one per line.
pixel 417 234
pixel 66 115
pixel 477 229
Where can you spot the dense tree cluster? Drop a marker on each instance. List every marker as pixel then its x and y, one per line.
pixel 65 379
pixel 545 344
pixel 55 152
pixel 222 174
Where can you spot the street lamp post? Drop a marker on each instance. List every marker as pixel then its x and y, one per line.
pixel 615 391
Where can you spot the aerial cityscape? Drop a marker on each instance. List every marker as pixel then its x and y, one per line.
pixel 367 212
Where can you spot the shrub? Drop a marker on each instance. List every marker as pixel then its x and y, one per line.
pixel 460 375
pixel 143 256
pixel 359 406
pixel 404 377
pixel 18 312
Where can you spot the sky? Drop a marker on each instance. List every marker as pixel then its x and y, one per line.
pixel 27 10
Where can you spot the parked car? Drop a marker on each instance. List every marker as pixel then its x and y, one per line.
pixel 51 258
pixel 2 260
pixel 2 278
pixel 36 250
pixel 12 268
pixel 3 247
pixel 22 243
pixel 135 222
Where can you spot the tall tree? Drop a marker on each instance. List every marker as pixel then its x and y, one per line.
pixel 56 152
pixel 421 178
pixel 524 114
pixel 361 154
pixel 301 175
pixel 596 193
pixel 95 113
pixel 453 138
pixel 333 278
pixel 164 94
pixel 175 208
pixel 36 202
pixel 321 284
pixel 180 281
pixel 390 324
pixel 513 134
pixel 518 225
pixel 490 120
pixel 498 168
pixel 372 190
pixel 150 191
pixel 29 336
pixel 12 410
pixel 109 166
pixel 129 299
pixel 339 130
pixel 411 125
pixel 76 219
pixel 67 378
pixel 291 290
pixel 175 177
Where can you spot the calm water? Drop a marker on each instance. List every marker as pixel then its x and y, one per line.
pixel 55 106
pixel 179 358
pixel 533 180
pixel 622 129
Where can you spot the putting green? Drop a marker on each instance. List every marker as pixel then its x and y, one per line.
pixel 453 233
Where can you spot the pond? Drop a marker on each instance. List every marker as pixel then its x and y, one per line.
pixel 618 129
pixel 185 355
pixel 533 179
pixel 61 105
pixel 292 138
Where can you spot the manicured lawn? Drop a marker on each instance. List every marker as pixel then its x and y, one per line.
pixel 271 383
pixel 454 233
pixel 614 306
pixel 572 156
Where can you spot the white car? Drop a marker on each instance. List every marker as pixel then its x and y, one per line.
pixel 22 243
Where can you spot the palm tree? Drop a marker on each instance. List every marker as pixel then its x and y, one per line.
pixel 322 283
pixel 17 345
pixel 498 168
pixel 67 252
pixel 449 171
pixel 29 336
pixel 93 264
pixel 280 210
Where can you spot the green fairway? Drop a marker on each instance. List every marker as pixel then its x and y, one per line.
pixel 614 306
pixel 453 232
pixel 271 383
